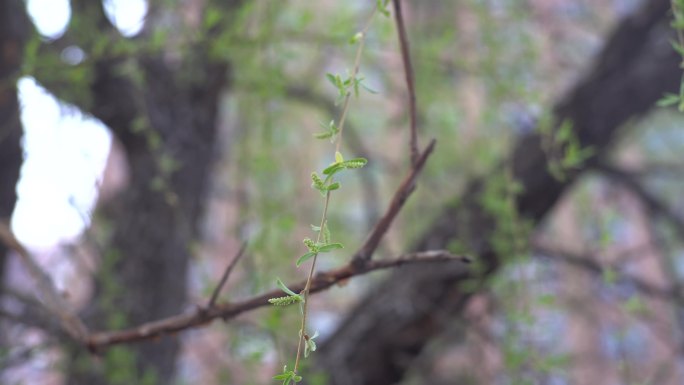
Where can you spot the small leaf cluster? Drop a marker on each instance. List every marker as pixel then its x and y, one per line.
pixel 289 299
pixel 382 7
pixel 565 151
pixel 327 184
pixel 310 346
pixel 331 131
pixel 288 376
pixel 346 84
pixel 316 248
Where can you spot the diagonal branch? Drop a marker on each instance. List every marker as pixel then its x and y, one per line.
pixel 49 296
pixel 396 204
pixel 226 274
pixel 653 203
pixel 322 281
pixel 589 263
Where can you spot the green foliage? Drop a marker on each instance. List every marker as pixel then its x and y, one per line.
pixel 331 132
pixel 677 24
pixel 381 6
pixel 290 299
pixel 563 148
pixel 345 85
pixel 288 376
pixel 310 344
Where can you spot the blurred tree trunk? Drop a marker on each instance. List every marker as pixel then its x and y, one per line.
pixel 389 328
pixel 161 103
pixel 13 35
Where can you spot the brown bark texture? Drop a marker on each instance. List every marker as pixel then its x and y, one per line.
pixel 163 110
pixel 389 328
pixel 13 36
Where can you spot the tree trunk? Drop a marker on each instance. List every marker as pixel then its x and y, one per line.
pixel 156 218
pixel 163 110
pixel 13 35
pixel 388 329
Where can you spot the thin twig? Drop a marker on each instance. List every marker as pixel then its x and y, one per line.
pixel 320 282
pixel 590 263
pixel 650 200
pixel 408 72
pixel 369 185
pixel 307 287
pixel 354 74
pixel 226 274
pixel 50 298
pixel 400 196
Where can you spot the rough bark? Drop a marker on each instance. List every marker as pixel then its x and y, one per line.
pixel 389 328
pixel 13 35
pixel 162 107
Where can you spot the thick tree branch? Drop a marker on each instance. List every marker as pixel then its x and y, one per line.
pixel 320 282
pixel 48 294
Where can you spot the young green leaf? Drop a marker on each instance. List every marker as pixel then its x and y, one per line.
pixel 329 247
pixel 382 7
pixel 305 258
pixel 365 87
pixel 326 233
pixel 288 376
pixel 338 157
pixel 323 135
pixel 284 288
pixel 310 346
pixel 316 182
pixel 333 186
pixel 668 100
pixel 333 169
pixel 354 163
pixel 331 79
pixel 355 39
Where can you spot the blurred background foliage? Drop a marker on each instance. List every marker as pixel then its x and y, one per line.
pixel 487 72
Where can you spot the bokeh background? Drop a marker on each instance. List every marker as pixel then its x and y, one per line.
pixel 142 142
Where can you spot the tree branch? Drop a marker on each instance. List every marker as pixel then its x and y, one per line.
pixel 320 282
pixel 49 296
pixel 408 72
pixel 400 196
pixel 589 263
pixel 226 274
pixel 653 203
